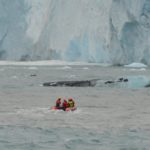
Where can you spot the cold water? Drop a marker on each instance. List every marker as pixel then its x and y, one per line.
pixel 108 117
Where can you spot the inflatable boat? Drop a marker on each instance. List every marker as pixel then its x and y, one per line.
pixel 67 109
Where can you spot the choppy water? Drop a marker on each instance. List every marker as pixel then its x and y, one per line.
pixel 24 137
pixel 109 117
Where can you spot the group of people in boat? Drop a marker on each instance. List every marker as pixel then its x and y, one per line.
pixel 70 103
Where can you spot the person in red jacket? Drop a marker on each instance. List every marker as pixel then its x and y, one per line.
pixel 58 102
pixel 65 104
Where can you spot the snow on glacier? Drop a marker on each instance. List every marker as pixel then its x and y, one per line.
pixel 112 31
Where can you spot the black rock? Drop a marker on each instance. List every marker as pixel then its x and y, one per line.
pixel 83 83
pixel 125 80
pixel 109 82
pixel 120 79
pixel 147 86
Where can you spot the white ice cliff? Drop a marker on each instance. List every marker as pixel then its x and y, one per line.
pixel 104 31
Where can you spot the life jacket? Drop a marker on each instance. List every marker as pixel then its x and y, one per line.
pixel 71 103
pixel 65 104
pixel 58 103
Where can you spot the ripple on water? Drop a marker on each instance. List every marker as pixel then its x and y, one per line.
pixel 37 138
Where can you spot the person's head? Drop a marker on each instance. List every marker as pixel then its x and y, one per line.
pixel 59 98
pixel 70 99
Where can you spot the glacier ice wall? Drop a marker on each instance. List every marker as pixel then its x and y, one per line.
pixel 104 31
pixel 130 31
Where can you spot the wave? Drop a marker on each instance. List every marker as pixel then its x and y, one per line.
pixel 37 138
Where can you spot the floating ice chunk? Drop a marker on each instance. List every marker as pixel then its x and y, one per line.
pixel 33 68
pixel 85 68
pixel 136 65
pixel 137 81
pixel 66 67
pixel 141 69
pixel 33 63
pixel 14 77
pixel 72 76
pixel 132 82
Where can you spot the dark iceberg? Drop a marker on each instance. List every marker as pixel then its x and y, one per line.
pixel 82 83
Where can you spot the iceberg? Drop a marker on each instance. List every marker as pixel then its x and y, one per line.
pixel 112 32
pixel 135 82
pixel 136 65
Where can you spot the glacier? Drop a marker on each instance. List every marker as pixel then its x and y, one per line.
pixel 101 31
